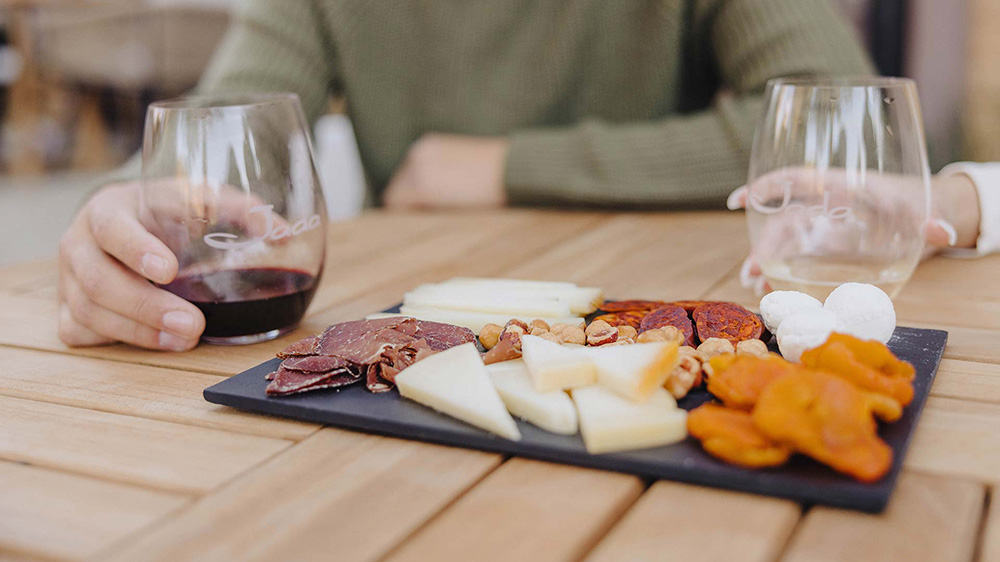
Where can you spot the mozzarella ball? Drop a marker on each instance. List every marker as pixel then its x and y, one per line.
pixel 804 331
pixel 778 305
pixel 863 311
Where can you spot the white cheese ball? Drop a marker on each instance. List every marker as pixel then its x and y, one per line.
pixel 778 305
pixel 803 331
pixel 863 311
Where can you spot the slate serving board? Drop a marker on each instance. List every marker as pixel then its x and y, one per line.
pixel 802 479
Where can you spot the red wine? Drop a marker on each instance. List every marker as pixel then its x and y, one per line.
pixel 242 302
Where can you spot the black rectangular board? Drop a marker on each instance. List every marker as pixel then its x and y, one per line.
pixel 802 479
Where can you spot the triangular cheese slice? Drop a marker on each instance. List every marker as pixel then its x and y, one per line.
pixel 609 422
pixel 556 367
pixel 636 370
pixel 455 382
pixel 552 411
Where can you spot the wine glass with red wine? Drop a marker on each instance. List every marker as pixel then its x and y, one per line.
pixel 229 184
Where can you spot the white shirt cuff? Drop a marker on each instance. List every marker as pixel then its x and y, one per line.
pixel 986 177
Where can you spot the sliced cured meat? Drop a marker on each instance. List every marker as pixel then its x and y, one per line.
pixel 314 363
pixel 376 350
pixel 669 315
pixel 300 348
pixel 629 306
pixel 363 341
pixel 440 337
pixel 728 321
pixel 374 381
pixel 291 382
pixel 625 318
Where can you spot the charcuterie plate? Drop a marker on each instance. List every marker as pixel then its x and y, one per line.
pixel 802 480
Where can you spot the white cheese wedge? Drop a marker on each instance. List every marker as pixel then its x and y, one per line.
pixel 556 367
pixel 634 371
pixel 471 320
pixel 455 382
pixel 552 411
pixel 610 423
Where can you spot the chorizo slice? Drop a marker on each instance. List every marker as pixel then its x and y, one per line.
pixel 632 305
pixel 624 318
pixel 728 321
pixel 669 315
pixel 689 306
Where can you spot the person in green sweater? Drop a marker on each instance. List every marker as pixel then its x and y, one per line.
pixel 648 103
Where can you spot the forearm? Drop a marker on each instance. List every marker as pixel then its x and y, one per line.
pixel 687 160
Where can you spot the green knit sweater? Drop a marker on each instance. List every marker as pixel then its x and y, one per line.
pixel 604 102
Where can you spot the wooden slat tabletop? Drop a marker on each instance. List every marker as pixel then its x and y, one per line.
pixel 110 453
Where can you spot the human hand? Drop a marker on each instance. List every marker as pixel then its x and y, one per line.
pixel 442 170
pixel 954 219
pixel 106 262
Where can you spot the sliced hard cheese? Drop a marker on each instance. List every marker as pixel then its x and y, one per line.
pixel 455 382
pixel 612 423
pixel 556 367
pixel 634 371
pixel 552 411
pixel 473 320
pixel 516 305
pixel 582 300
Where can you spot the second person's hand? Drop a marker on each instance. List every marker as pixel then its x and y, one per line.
pixel 443 170
pixel 954 220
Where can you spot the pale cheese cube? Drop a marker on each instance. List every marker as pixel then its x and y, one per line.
pixel 552 411
pixel 634 371
pixel 610 423
pixel 556 367
pixel 455 382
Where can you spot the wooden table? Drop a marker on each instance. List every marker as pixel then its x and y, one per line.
pixel 112 454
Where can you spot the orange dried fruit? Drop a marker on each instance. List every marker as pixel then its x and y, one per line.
pixel 867 363
pixel 730 435
pixel 827 418
pixel 738 380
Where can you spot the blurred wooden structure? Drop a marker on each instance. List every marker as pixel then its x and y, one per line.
pixel 981 115
pixel 91 68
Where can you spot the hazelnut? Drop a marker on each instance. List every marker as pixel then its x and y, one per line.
pixel 755 348
pixel 666 333
pixel 713 347
pixel 514 322
pixel 685 376
pixel 536 331
pixel 490 335
pixel 569 334
pixel 626 332
pixel 539 324
pixel 601 333
pixel 549 336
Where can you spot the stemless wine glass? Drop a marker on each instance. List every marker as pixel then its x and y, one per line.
pixel 839 188
pixel 230 186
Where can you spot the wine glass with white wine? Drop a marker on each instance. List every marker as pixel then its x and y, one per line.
pixel 838 187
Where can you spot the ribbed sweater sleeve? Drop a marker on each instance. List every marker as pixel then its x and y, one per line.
pixel 275 46
pixel 695 158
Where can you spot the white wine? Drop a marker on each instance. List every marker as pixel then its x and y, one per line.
pixel 820 275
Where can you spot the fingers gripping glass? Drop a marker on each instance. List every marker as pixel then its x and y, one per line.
pixel 838 187
pixel 229 184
